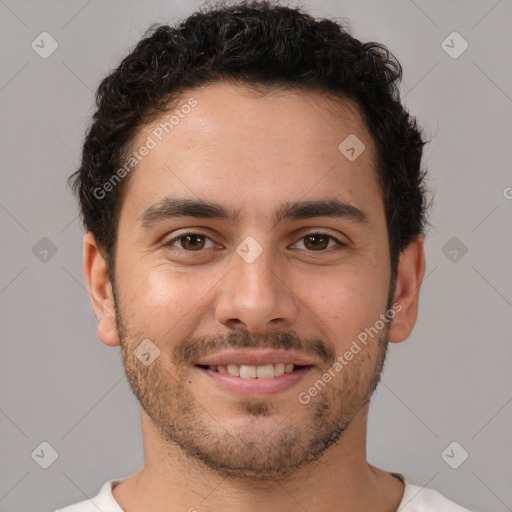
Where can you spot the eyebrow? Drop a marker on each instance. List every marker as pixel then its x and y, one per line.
pixel 171 208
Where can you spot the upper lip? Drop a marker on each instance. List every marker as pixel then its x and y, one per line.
pixel 255 357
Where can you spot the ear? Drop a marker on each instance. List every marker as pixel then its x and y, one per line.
pixel 100 291
pixel 411 268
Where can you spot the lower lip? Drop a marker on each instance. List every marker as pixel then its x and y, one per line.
pixel 251 387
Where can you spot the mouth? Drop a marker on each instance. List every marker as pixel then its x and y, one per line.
pixel 243 371
pixel 253 381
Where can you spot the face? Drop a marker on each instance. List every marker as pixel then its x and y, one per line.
pixel 254 272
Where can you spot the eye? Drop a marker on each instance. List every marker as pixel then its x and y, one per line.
pixel 191 242
pixel 195 242
pixel 320 241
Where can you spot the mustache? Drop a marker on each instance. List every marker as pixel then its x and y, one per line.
pixel 195 348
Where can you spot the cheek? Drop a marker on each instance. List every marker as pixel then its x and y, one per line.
pixel 164 300
pixel 347 300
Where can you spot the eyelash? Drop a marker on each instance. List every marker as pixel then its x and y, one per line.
pixel 341 245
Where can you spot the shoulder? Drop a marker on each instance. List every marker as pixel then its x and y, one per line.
pixel 103 501
pixel 423 499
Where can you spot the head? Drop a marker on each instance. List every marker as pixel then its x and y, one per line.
pixel 251 179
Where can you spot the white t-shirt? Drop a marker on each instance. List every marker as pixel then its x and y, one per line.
pixel 415 499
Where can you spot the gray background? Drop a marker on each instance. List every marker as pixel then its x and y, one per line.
pixel 449 382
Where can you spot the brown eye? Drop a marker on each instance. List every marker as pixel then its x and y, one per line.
pixel 316 242
pixel 320 242
pixel 191 242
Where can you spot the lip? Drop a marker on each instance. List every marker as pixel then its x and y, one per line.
pixel 256 387
pixel 255 357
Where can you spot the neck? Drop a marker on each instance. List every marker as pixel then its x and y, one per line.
pixel 340 480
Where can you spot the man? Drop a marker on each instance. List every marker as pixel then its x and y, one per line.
pixel 255 209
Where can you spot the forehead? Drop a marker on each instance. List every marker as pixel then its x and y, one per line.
pixel 247 148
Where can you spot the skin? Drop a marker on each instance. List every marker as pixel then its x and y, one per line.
pixel 208 448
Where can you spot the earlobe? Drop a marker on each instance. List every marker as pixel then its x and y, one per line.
pixel 100 291
pixel 411 269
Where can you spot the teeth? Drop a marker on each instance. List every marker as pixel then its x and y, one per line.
pixel 248 372
pixel 233 369
pixel 278 369
pixel 265 372
pixel 252 372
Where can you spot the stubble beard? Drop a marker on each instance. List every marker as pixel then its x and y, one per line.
pixel 265 447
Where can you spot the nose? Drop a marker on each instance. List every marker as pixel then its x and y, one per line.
pixel 255 296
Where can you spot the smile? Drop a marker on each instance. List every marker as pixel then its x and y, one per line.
pixel 254 372
pixel 248 380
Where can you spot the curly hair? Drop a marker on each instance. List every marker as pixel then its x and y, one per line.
pixel 259 44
